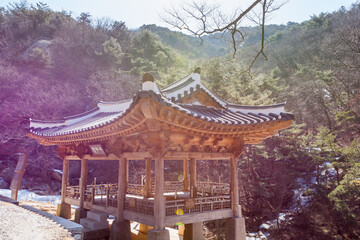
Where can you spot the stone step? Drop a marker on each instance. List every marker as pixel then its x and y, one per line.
pixel 94 225
pixel 96 234
pixel 97 216
pixel 9 200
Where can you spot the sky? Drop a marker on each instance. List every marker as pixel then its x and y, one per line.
pixel 135 13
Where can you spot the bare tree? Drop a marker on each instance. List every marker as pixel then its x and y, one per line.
pixel 201 19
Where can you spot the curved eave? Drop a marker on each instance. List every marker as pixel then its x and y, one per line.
pixel 201 119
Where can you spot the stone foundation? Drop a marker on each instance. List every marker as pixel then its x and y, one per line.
pixel 193 231
pixel 120 230
pixel 64 210
pixel 235 229
pixel 80 213
pixel 158 234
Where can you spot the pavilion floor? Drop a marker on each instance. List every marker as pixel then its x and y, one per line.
pixel 179 207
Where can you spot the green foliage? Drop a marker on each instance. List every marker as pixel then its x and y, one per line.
pixel 148 54
pixel 112 53
pixel 223 78
pixel 84 18
pixel 321 21
pixel 344 116
pixel 211 46
pixel 268 189
pixel 41 14
pixel 346 196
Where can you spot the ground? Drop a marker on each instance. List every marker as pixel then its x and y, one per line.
pixel 19 223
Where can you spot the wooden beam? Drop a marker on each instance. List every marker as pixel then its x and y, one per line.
pixel 252 141
pixel 65 178
pixel 127 172
pixel 139 217
pixel 198 217
pixel 148 177
pixel 234 186
pixel 198 155
pixel 159 199
pixel 122 188
pixel 185 174
pixel 193 177
pixel 83 180
pixel 137 155
pixel 89 157
pixel 72 157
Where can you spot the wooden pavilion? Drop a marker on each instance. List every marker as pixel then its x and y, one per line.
pixel 183 121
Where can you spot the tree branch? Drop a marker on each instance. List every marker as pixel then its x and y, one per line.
pixel 203 19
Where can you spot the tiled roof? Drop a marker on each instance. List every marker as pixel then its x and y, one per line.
pixel 88 123
pixel 107 113
pixel 170 96
pixel 188 84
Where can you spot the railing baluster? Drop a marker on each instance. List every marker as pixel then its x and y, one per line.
pixel 107 195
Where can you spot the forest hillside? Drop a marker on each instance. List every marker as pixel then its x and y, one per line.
pixel 306 178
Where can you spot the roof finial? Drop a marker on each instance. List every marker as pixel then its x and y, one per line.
pixel 197 70
pixel 148 77
pixel 149 84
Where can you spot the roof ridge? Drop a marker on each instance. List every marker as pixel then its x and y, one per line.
pixel 185 83
pixel 114 102
pixel 45 121
pixel 256 106
pixel 82 114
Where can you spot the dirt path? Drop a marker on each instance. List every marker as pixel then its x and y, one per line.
pixel 17 223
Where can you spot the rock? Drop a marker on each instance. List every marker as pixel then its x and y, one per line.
pixel 40 187
pixel 39 192
pixel 256 236
pixel 4 184
pixel 264 226
pixel 55 186
pixel 7 174
pixel 32 171
pixel 43 45
pixel 261 235
pixel 56 175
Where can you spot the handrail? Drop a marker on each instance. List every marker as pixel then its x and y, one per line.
pixel 144 206
pixel 106 194
pixel 203 204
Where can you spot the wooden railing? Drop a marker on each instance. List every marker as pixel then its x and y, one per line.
pixel 207 189
pixel 213 196
pixel 102 194
pixel 73 192
pixel 199 205
pixel 173 186
pixel 136 189
pixel 144 206
pixel 139 190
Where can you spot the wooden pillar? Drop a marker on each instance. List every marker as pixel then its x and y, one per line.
pixel 159 199
pixel 127 171
pixel 64 209
pixel 120 228
pixel 148 177
pixel 185 175
pixel 83 181
pixel 234 187
pixel 122 188
pixel 193 177
pixel 65 179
